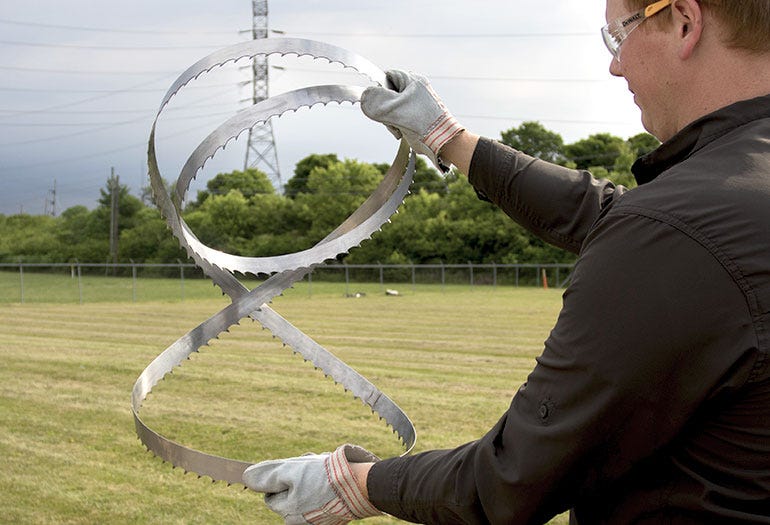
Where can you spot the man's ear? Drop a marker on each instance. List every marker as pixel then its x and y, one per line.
pixel 688 23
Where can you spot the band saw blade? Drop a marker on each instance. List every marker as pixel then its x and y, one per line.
pixel 284 270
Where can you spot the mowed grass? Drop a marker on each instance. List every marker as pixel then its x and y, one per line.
pixel 61 285
pixel 451 358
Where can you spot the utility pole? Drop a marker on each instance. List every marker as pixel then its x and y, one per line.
pixel 260 149
pixel 114 185
pixel 53 199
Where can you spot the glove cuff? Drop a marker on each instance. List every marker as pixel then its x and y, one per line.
pixel 443 129
pixel 344 482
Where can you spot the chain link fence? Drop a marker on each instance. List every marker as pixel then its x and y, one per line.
pixel 86 282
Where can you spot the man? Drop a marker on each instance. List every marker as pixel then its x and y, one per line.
pixel 651 400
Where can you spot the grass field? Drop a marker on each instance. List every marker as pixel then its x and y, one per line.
pixel 450 358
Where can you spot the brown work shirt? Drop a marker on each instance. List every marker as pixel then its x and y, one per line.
pixel 651 400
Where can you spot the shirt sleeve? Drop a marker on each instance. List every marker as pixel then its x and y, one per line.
pixel 555 203
pixel 648 305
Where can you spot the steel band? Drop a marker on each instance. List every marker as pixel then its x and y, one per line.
pixel 284 270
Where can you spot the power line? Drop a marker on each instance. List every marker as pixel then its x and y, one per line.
pixel 93 130
pixel 445 35
pixel 89 99
pixel 314 33
pixel 110 48
pixel 112 30
pixel 455 77
pixel 311 70
pixel 560 121
pixel 152 110
pixel 76 134
pixel 110 91
pixel 518 79
pixel 138 145
pixel 146 114
pixel 80 72
pixel 191 117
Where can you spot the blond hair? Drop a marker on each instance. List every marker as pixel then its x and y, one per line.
pixel 746 23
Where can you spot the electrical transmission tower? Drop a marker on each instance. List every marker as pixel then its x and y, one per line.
pixel 260 150
pixel 52 201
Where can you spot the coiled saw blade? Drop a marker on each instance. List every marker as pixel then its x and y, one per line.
pixel 284 270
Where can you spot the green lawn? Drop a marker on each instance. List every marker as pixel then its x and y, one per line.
pixel 450 358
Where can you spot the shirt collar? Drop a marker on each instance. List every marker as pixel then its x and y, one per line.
pixel 697 135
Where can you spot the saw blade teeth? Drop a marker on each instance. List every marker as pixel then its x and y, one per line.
pixel 222 268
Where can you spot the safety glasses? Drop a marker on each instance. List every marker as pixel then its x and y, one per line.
pixel 615 33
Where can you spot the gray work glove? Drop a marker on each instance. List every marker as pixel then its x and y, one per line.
pixel 410 108
pixel 316 489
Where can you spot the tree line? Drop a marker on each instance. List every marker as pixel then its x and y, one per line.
pixel 442 220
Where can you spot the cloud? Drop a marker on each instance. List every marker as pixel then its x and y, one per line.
pixel 81 82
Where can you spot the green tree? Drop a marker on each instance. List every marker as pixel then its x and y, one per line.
pixel 643 143
pixel 148 197
pixel 128 207
pixel 150 240
pixel 415 234
pixel 600 149
pixel 95 232
pixel 441 220
pixel 222 222
pixel 535 140
pixel 426 177
pixel 456 227
pixel 81 235
pixel 334 192
pixel 278 226
pixel 477 231
pixel 298 183
pixel 248 183
pixel 28 237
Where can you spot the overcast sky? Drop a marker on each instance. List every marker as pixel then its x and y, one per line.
pixel 81 81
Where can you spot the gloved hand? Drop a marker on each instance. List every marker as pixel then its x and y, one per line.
pixel 318 489
pixel 410 108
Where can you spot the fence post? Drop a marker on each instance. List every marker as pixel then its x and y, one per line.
pixel 133 280
pixel 413 277
pixel 80 282
pixel 494 275
pixel 517 276
pixel 347 279
pixel 442 276
pixel 181 277
pixel 382 279
pixel 21 279
pixel 470 268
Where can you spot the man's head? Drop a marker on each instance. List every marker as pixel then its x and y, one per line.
pixel 746 23
pixel 692 57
